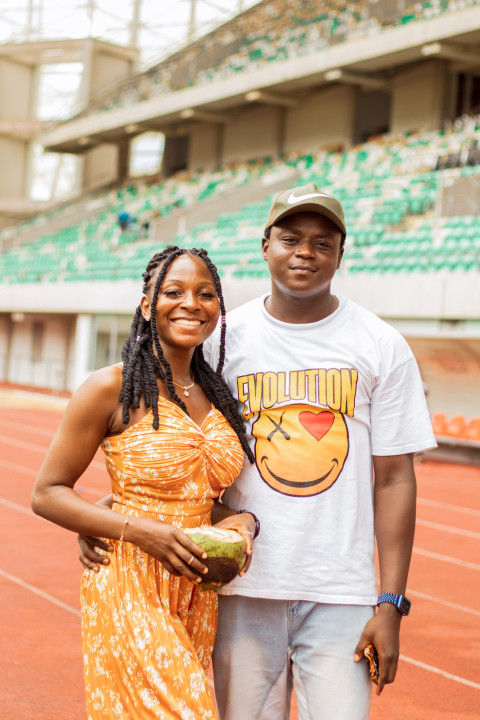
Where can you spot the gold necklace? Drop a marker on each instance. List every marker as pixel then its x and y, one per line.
pixel 185 388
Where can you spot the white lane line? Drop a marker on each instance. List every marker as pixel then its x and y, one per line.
pixel 449 529
pixel 445 603
pixel 27 511
pixel 438 671
pixel 18 508
pixel 29 429
pixel 17 468
pixel 447 506
pixel 23 444
pixel 39 448
pixel 446 558
pixel 40 593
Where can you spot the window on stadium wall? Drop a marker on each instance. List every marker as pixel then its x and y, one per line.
pixel 468 93
pixel 110 333
pixel 146 153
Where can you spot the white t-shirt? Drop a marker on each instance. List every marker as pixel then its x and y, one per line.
pixel 319 399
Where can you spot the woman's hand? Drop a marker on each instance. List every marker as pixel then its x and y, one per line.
pixel 244 524
pixel 88 553
pixel 170 546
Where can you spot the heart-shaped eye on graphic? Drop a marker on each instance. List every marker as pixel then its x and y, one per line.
pixel 316 424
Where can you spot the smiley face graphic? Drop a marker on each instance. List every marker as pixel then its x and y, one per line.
pixel 300 450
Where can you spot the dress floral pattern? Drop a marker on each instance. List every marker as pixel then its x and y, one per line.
pixel 147 635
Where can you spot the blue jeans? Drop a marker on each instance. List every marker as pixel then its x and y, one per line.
pixel 265 647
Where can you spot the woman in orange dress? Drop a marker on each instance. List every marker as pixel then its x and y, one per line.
pixel 148 631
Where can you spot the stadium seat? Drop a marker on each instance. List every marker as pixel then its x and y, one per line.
pixel 456 426
pixel 472 430
pixel 439 423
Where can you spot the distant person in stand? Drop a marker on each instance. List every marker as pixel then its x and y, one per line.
pixel 125 220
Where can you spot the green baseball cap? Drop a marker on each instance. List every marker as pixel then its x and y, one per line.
pixel 307 198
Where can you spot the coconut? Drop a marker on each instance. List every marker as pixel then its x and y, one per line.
pixel 226 551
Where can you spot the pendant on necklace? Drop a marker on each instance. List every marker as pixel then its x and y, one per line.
pixel 185 388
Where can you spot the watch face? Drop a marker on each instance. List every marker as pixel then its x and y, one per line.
pixel 405 606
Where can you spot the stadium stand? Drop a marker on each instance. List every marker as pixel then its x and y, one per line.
pixel 274 31
pixel 388 186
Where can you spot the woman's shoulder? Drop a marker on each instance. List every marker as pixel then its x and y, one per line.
pixel 102 386
pixel 106 379
pixel 95 402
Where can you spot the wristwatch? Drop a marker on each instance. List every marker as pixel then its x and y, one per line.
pixel 401 602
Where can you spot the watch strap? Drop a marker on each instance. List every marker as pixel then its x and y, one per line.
pixel 400 601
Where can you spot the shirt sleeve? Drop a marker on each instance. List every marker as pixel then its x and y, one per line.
pixel 211 349
pixel 400 421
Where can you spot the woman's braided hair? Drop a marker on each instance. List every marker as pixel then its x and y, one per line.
pixel 142 367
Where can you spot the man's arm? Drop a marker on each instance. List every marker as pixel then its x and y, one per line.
pixel 394 511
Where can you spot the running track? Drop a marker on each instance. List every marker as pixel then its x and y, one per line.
pixel 41 670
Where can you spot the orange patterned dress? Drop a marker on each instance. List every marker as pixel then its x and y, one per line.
pixel 147 635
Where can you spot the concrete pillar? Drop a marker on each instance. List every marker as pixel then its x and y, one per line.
pixel 81 351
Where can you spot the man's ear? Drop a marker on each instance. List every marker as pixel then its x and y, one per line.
pixel 265 244
pixel 146 307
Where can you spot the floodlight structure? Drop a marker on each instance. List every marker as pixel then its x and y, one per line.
pixel 55 57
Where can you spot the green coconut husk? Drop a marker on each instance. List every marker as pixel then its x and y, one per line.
pixel 226 551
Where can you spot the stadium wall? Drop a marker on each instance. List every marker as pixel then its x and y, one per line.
pixel 419 97
pixel 205 146
pixel 253 132
pixel 336 115
pixel 323 118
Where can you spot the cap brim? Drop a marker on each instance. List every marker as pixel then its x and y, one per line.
pixel 311 207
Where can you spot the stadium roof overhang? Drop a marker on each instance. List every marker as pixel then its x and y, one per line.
pixel 66 50
pixel 368 62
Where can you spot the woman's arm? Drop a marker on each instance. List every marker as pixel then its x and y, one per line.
pixel 86 422
pixel 84 425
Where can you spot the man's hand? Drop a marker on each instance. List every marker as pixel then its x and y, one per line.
pixel 89 554
pixel 244 524
pixel 383 631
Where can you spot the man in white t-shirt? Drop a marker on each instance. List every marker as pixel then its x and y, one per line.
pixel 333 398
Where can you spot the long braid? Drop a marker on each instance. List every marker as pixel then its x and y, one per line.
pixel 218 392
pixel 167 370
pixel 142 367
pixel 212 382
pixel 218 287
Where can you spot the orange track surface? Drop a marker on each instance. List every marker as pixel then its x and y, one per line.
pixel 41 674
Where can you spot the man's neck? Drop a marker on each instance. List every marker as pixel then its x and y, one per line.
pixel 300 310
